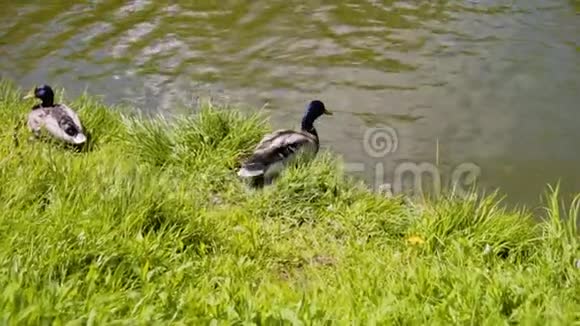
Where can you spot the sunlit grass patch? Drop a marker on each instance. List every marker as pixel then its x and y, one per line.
pixel 150 224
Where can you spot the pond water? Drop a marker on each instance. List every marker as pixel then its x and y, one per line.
pixel 494 84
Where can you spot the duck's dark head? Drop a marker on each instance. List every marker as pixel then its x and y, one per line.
pixel 314 110
pixel 44 93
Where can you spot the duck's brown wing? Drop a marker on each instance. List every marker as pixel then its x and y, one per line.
pixel 67 119
pixel 269 138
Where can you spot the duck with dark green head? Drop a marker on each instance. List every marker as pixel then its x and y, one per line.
pixel 276 149
pixel 58 120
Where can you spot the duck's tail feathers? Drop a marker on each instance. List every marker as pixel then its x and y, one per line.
pixel 250 170
pixel 80 138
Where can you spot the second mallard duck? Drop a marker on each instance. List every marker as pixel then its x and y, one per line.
pixel 58 119
pixel 277 148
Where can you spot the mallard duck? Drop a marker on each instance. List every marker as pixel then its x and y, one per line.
pixel 277 148
pixel 58 119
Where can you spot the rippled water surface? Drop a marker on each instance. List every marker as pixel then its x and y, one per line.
pixel 493 83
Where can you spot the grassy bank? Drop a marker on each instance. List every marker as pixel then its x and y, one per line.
pixel 151 224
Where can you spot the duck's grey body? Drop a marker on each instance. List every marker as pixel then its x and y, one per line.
pixel 275 150
pixel 59 121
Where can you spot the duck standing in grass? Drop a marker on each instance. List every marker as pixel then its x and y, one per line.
pixel 277 148
pixel 58 119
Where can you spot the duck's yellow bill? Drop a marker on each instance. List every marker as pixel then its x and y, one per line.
pixel 29 95
pixel 327 112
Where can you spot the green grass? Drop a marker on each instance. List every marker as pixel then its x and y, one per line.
pixel 151 225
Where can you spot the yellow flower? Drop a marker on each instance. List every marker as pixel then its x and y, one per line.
pixel 415 240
